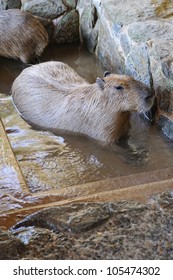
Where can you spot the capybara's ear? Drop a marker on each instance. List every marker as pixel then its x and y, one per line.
pixel 107 73
pixel 100 82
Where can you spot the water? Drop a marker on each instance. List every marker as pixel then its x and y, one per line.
pixel 56 161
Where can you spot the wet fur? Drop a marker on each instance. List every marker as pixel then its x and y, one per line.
pixel 22 36
pixel 52 96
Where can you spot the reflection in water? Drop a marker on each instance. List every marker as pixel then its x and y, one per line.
pixel 85 64
pixel 57 161
pixel 9 70
pixel 7 174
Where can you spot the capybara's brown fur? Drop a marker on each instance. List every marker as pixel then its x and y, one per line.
pixel 22 36
pixel 52 96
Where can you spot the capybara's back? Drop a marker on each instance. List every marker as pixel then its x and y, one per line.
pixel 22 36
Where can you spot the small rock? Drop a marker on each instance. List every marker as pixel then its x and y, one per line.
pixel 71 4
pixel 89 24
pixel 10 4
pixel 44 8
pixel 10 246
pixel 67 28
pixel 166 126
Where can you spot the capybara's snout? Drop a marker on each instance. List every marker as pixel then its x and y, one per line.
pixel 147 96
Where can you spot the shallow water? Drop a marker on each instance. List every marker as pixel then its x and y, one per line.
pixel 56 161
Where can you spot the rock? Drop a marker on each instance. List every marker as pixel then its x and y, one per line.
pixel 107 51
pixel 126 12
pixel 137 64
pixel 10 4
pixel 74 219
pixel 44 8
pixel 167 67
pixel 89 24
pixel 166 125
pixel 150 30
pixel 10 246
pixel 71 4
pixel 48 25
pixel 123 230
pixel 67 28
pixel 161 52
pixel 149 47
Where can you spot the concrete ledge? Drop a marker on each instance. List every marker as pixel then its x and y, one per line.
pixel 18 201
pixel 11 175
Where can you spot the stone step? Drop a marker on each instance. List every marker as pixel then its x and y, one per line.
pixel 113 184
pixel 19 201
pixel 139 193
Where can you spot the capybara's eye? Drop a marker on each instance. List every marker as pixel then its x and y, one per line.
pixel 119 88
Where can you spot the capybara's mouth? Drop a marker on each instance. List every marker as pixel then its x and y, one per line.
pixel 149 101
pixel 146 105
pixel 150 113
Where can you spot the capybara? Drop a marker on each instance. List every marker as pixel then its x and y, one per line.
pixel 52 96
pixel 22 36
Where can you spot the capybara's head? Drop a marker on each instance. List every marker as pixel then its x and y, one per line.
pixel 127 93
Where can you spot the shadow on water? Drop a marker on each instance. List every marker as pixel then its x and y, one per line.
pixel 9 70
pixel 87 65
pixel 51 162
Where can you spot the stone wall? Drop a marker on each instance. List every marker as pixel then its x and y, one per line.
pixel 133 37
pixel 59 17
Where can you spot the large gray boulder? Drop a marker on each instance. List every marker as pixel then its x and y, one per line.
pixel 44 8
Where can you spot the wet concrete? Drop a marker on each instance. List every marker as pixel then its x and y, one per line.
pixel 41 170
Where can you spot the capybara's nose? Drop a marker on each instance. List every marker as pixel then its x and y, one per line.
pixel 149 94
pixel 145 92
